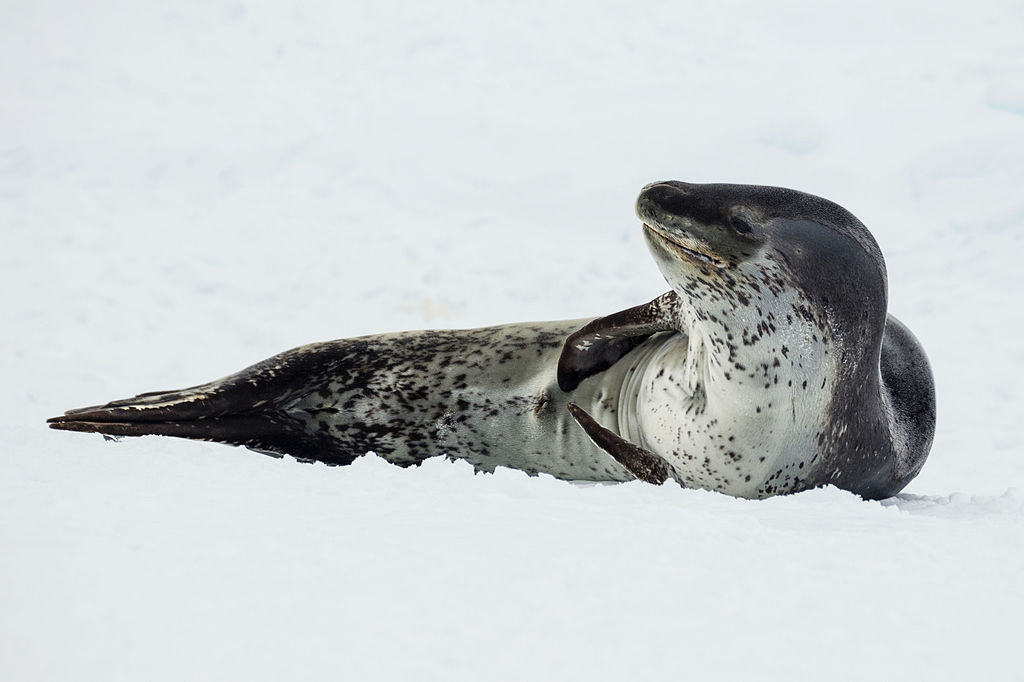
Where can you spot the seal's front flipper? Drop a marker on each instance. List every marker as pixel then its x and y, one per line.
pixel 642 463
pixel 600 344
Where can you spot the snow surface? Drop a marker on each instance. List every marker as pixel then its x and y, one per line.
pixel 189 187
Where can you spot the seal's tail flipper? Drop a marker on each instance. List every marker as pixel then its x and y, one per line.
pixel 249 408
pixel 206 401
pixel 642 463
pixel 198 415
pixel 248 430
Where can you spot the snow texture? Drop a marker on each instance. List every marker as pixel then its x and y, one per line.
pixel 189 187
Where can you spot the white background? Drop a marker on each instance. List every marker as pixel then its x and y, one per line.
pixel 189 187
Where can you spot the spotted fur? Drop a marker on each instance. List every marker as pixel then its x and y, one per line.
pixel 771 367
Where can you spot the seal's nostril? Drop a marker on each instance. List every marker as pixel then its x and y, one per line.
pixel 683 188
pixel 649 185
pixel 663 196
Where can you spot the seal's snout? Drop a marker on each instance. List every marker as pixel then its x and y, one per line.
pixel 695 222
pixel 659 200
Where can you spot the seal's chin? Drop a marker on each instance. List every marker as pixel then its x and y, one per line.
pixel 689 251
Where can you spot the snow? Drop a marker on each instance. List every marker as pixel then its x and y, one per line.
pixel 188 188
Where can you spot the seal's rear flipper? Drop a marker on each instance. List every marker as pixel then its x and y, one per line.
pixel 642 463
pixel 253 431
pixel 268 432
pixel 600 344
pixel 249 408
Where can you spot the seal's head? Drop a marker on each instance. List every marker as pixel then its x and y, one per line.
pixel 724 248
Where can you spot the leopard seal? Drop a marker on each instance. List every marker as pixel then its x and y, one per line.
pixel 771 367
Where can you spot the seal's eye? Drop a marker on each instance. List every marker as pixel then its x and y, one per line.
pixel 740 225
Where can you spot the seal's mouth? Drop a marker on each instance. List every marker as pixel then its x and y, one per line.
pixel 689 251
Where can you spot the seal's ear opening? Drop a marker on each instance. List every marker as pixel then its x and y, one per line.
pixel 601 344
